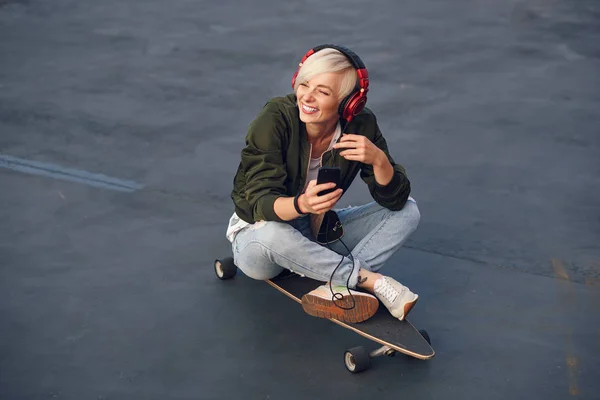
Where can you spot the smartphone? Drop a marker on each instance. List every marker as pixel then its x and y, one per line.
pixel 329 174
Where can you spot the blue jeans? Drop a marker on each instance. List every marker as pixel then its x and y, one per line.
pixel 373 233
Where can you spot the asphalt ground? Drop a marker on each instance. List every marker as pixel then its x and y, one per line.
pixel 121 125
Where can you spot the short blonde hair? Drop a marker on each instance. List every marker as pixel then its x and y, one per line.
pixel 328 60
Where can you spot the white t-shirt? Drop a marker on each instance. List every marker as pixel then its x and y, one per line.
pixel 315 163
pixel 236 224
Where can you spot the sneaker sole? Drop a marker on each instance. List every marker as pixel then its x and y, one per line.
pixel 408 307
pixel 364 307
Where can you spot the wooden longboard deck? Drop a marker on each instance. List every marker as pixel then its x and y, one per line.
pixel 382 328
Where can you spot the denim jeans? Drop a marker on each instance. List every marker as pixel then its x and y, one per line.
pixel 373 234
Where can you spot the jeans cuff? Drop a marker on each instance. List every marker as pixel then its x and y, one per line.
pixel 354 275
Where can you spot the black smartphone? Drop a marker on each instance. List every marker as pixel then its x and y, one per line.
pixel 326 175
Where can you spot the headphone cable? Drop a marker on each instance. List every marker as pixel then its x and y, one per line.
pixel 337 295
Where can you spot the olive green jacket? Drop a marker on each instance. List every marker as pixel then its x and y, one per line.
pixel 275 162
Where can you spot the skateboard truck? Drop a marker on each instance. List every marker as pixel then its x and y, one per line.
pixel 383 351
pixel 357 359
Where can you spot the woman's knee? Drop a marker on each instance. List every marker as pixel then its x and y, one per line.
pixel 409 217
pixel 254 262
pixel 253 251
pixel 413 213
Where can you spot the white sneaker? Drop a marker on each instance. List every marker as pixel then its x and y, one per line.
pixel 321 303
pixel 398 299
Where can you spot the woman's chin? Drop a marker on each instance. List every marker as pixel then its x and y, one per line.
pixel 307 118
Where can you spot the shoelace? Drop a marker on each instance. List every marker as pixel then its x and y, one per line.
pixel 386 290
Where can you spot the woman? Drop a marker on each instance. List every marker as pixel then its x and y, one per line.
pixel 276 195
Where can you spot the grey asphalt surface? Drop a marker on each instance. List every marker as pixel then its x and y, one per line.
pixel 492 107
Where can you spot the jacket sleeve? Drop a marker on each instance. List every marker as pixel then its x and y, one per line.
pixel 262 162
pixel 394 195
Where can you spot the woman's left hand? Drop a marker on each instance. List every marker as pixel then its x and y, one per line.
pixel 359 148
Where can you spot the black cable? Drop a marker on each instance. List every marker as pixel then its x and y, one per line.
pixel 338 296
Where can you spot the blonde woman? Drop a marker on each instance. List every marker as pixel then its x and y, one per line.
pixel 275 194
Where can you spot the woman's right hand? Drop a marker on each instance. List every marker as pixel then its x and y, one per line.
pixel 310 202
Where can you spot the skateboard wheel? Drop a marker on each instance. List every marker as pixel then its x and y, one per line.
pixel 225 268
pixel 357 359
pixel 425 335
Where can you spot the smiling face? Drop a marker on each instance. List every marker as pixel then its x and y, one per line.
pixel 318 99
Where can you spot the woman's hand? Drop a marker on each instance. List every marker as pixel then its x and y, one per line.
pixel 310 202
pixel 359 148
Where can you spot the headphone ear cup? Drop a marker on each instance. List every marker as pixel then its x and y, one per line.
pixel 354 104
pixel 343 104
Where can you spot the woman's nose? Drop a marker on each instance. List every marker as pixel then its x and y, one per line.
pixel 309 95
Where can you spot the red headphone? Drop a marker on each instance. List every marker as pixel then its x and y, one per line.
pixel 354 103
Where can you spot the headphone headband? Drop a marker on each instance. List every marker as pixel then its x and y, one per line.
pixel 354 103
pixel 350 55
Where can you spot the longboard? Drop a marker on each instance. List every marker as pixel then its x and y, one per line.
pixel 392 334
pixel 382 327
